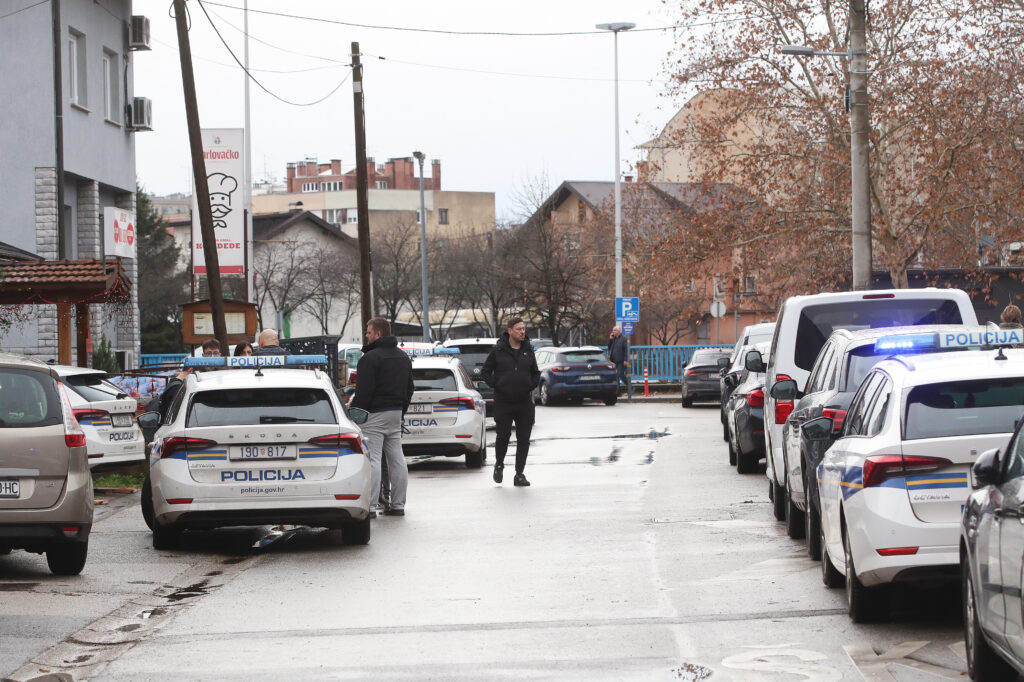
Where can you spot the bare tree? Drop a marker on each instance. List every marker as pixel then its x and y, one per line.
pixel 333 280
pixel 396 267
pixel 282 275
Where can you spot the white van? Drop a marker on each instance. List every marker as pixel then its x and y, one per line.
pixel 803 325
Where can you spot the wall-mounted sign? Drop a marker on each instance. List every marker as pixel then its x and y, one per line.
pixel 235 323
pixel 225 170
pixel 119 232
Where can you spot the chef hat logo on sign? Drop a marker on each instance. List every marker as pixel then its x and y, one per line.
pixel 221 188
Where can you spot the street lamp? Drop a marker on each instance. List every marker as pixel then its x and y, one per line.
pixel 860 193
pixel 616 28
pixel 425 310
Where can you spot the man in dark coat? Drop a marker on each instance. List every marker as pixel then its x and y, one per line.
pixel 269 344
pixel 384 389
pixel 618 352
pixel 511 370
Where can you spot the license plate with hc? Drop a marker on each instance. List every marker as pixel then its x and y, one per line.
pixel 10 489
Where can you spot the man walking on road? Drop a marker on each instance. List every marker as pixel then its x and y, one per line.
pixel 618 352
pixel 511 370
pixel 384 389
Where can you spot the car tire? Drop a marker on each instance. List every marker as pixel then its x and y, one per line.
pixel 865 604
pixel 4 551
pixel 778 501
pixel 812 531
pixel 146 503
pixel 732 454
pixel 165 537
pixel 611 400
pixel 68 558
pixel 830 575
pixel 475 460
pixel 545 398
pixel 356 532
pixel 794 518
pixel 687 402
pixel 725 431
pixel 983 663
pixel 746 462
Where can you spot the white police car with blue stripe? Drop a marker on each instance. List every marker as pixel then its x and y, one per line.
pixel 257 441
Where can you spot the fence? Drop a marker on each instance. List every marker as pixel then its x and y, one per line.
pixel 663 363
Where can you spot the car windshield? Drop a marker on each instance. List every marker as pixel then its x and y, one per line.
pixel 817 322
pixel 473 355
pixel 433 379
pixel 964 408
pixel 253 406
pixel 28 399
pixel 93 387
pixel 585 356
pixel 760 337
pixel 352 356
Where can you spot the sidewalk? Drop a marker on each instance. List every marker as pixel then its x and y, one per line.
pixel 660 393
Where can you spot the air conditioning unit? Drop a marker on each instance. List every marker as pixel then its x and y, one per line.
pixel 142 113
pixel 138 33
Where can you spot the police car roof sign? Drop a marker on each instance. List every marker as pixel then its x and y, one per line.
pixel 254 361
pixel 981 336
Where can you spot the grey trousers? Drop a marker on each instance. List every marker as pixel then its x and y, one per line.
pixel 383 433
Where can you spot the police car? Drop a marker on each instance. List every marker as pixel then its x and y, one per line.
pixel 106 414
pixel 894 484
pixel 257 441
pixel 447 414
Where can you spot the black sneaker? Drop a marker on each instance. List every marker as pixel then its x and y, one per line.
pixel 394 512
pixel 520 479
pixel 499 470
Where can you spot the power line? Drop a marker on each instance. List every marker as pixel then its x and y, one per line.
pixel 231 66
pixel 253 78
pixel 11 14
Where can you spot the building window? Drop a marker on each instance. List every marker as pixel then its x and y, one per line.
pixel 690 286
pixel 581 211
pixel 750 284
pixel 442 216
pixel 76 68
pixel 719 288
pixel 382 184
pixel 310 186
pixel 111 94
pixel 330 186
pixel 352 219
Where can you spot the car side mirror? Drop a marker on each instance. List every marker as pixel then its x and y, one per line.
pixel 149 420
pixel 358 415
pixel 784 390
pixel 482 385
pixel 753 361
pixel 986 468
pixel 349 390
pixel 817 429
pixel 723 363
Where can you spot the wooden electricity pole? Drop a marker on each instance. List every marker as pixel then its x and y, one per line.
pixel 199 174
pixel 362 210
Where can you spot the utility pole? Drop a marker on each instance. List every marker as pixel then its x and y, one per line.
pixel 860 169
pixel 199 175
pixel 362 210
pixel 425 309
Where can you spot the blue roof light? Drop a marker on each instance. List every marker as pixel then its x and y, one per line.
pixel 254 361
pixel 906 343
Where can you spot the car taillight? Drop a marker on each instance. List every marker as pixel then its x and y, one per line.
pixel 897 551
pixel 610 365
pixel 561 368
pixel 874 296
pixel 181 444
pixel 74 436
pixel 340 440
pixel 352 379
pixel 783 408
pixel 755 398
pixel 837 417
pixel 693 372
pixel 464 402
pixel 880 467
pixel 90 414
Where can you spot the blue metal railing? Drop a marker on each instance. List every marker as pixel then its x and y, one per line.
pixel 664 363
pixel 149 359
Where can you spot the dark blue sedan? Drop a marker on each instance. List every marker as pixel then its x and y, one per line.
pixel 572 373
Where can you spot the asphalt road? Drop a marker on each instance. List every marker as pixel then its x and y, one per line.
pixel 637 554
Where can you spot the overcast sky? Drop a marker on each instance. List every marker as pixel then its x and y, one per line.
pixel 497 110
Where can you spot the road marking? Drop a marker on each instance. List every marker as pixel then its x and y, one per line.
pixel 773 659
pixel 875 667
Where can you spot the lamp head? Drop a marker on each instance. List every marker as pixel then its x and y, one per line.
pixel 419 156
pixel 798 50
pixel 616 26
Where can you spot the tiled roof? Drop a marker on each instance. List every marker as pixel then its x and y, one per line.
pixel 76 281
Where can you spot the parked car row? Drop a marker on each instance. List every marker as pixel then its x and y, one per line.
pixel 875 407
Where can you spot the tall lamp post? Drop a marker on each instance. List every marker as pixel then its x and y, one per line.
pixel 860 127
pixel 615 28
pixel 425 310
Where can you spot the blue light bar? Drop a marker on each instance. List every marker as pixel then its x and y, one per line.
pixel 447 351
pixel 981 336
pixel 254 361
pixel 906 343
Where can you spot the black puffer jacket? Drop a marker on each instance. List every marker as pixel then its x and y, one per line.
pixel 383 377
pixel 511 372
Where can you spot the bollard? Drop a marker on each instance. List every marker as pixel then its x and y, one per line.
pixel 647 386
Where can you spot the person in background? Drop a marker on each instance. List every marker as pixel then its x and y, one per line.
pixel 269 344
pixel 511 369
pixel 211 348
pixel 384 388
pixel 1010 318
pixel 618 352
pixel 244 348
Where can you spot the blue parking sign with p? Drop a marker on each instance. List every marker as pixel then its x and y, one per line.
pixel 627 309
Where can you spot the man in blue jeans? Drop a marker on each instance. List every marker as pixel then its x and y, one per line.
pixel 384 389
pixel 618 352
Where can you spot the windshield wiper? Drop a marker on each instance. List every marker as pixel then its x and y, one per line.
pixel 274 419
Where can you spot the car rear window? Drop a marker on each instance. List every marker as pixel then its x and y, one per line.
pixel 707 357
pixel 473 355
pixel 93 387
pixel 28 399
pixel 433 379
pixel 859 363
pixel 352 356
pixel 817 322
pixel 964 408
pixel 255 406
pixel 585 356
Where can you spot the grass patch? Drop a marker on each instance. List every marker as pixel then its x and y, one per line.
pixel 132 479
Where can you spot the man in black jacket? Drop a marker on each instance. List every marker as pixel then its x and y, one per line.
pixel 384 389
pixel 511 370
pixel 618 352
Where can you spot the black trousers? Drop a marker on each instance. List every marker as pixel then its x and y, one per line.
pixel 504 415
